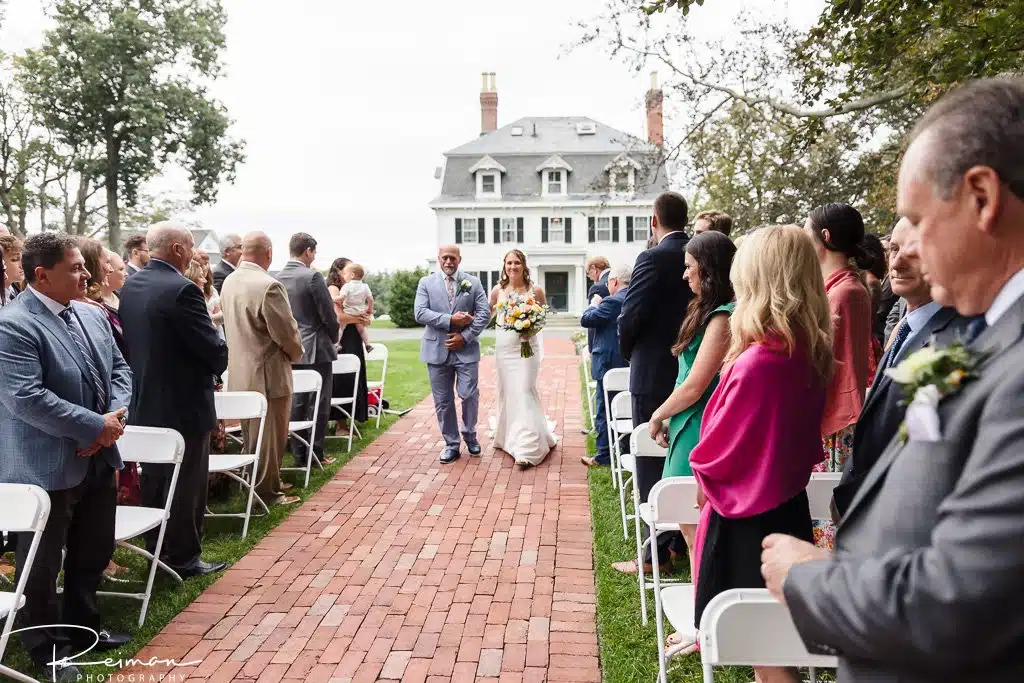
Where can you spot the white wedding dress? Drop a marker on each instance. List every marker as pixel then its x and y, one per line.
pixel 521 428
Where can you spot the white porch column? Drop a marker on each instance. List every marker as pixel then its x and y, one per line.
pixel 576 292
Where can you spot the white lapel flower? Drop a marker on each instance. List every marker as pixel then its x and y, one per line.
pixel 465 285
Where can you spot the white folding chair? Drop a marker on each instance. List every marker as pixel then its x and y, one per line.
pixel 147 446
pixel 748 627
pixel 233 432
pixel 24 509
pixel 379 354
pixel 672 501
pixel 641 445
pixel 591 384
pixel 241 405
pixel 620 425
pixel 306 382
pixel 819 493
pixel 615 380
pixel 347 364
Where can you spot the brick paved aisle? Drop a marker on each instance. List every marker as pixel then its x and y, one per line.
pixel 403 569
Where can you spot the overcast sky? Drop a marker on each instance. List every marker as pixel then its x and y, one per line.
pixel 347 107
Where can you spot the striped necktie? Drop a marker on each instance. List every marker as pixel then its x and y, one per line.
pixel 902 332
pixel 99 390
pixel 977 325
pixel 450 284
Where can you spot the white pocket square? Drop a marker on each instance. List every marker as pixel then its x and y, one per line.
pixel 923 415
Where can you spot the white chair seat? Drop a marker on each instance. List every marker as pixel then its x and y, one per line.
pixel 645 515
pixel 623 426
pixel 131 521
pixel 677 603
pixel 7 602
pixel 628 462
pixel 300 425
pixel 224 462
pixel 342 401
pixel 369 385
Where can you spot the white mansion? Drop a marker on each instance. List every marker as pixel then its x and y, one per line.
pixel 560 189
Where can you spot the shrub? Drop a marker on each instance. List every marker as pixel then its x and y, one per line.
pixel 402 296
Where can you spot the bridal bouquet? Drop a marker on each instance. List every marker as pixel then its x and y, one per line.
pixel 523 315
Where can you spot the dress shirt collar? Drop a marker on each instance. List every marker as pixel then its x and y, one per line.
pixel 603 273
pixel 54 307
pixel 1006 298
pixel 227 263
pixel 919 317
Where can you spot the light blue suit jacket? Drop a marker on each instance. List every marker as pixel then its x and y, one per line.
pixel 433 310
pixel 46 396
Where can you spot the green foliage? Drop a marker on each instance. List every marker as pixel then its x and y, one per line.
pixel 380 287
pixel 402 296
pixel 129 79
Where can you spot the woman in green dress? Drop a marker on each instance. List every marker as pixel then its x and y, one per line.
pixel 701 348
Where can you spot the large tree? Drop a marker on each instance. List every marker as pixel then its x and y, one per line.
pixel 128 79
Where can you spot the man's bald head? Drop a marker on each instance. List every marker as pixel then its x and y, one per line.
pixel 257 248
pixel 171 242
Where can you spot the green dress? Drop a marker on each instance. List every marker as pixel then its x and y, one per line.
pixel 684 427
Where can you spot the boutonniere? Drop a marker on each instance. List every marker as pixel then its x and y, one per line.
pixel 929 375
pixel 465 285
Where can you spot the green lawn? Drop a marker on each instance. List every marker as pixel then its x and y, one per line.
pixel 406 385
pixel 629 650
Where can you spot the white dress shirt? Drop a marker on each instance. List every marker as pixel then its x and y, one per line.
pixel 54 307
pixel 1006 298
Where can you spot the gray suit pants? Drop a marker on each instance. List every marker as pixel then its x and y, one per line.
pixel 445 380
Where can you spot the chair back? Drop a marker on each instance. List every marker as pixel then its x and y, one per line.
pixel 674 500
pixel 748 627
pixel 622 406
pixel 819 493
pixel 616 379
pixel 24 509
pixel 379 353
pixel 346 364
pixel 158 445
pixel 240 405
pixel 586 364
pixel 306 382
pixel 641 445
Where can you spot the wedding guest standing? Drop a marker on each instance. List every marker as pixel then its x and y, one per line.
pixel 759 440
pixel 701 347
pixel 654 308
pixel 13 274
pixel 927 581
pixel 351 344
pixel 136 254
pixel 65 392
pixel 598 270
pixel 837 232
pixel 230 254
pixel 175 353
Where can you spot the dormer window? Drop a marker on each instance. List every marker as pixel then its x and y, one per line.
pixel 487 172
pixel 554 176
pixel 622 175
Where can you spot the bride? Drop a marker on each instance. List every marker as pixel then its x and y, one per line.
pixel 521 430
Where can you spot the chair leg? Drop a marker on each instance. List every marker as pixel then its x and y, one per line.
pixel 145 553
pixel 639 554
pixel 16 675
pixel 622 507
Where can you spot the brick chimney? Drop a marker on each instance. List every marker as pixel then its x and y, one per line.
pixel 655 123
pixel 488 105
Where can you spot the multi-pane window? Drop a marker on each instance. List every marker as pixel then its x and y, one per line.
pixel 469 230
pixel 487 183
pixel 555 182
pixel 556 230
pixel 508 230
pixel 604 229
pixel 641 228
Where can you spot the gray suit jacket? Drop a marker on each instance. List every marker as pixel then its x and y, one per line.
pixel 433 310
pixel 927 580
pixel 313 309
pixel 47 397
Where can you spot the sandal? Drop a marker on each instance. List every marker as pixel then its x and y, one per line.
pixel 679 644
pixel 629 567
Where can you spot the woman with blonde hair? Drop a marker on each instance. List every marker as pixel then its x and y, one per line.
pixel 760 438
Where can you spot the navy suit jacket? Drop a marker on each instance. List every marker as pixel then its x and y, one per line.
pixel 47 401
pixel 601 289
pixel 602 321
pixel 174 351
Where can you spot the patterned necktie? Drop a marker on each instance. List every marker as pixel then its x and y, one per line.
pixel 897 343
pixel 975 328
pixel 450 284
pixel 76 333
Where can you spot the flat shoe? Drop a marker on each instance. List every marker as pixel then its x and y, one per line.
pixel 629 567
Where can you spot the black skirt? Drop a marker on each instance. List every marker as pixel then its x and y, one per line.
pixel 731 557
pixel 351 343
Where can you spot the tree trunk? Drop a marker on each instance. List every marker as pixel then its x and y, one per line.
pixel 42 194
pixel 113 168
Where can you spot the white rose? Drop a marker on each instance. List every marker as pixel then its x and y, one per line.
pixel 908 369
pixel 519 324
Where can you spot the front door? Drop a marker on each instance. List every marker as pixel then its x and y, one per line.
pixel 556 286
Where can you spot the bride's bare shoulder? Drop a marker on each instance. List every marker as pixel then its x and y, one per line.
pixel 538 293
pixel 495 294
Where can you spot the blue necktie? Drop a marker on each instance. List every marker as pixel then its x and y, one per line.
pixel 97 384
pixel 975 328
pixel 902 333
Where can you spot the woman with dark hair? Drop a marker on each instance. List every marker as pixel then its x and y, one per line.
pixel 873 275
pixel 837 233
pixel 351 343
pixel 702 344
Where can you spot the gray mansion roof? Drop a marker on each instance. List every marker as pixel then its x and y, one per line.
pixel 524 145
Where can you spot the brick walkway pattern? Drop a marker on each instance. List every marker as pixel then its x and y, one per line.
pixel 403 569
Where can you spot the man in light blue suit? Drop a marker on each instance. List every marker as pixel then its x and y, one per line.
pixel 65 397
pixel 453 307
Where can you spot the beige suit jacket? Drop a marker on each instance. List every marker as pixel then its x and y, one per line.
pixel 263 337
